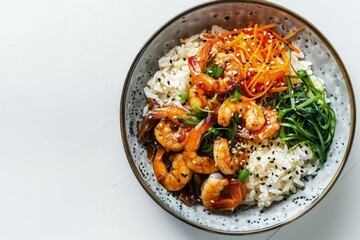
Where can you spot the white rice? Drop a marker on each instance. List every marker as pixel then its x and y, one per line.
pixel 173 76
pixel 275 170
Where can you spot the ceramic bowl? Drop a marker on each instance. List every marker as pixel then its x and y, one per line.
pixel 235 14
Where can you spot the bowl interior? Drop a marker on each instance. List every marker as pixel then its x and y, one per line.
pixel 236 14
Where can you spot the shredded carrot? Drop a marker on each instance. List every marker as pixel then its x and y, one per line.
pixel 278 89
pixel 294 33
pixel 266 27
pixel 292 47
pixel 263 55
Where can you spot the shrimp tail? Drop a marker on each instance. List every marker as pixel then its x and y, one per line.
pixel 199 164
pixel 194 65
pixel 203 126
pixel 238 194
pixel 171 113
pixel 159 166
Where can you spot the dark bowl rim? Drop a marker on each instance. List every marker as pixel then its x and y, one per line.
pixel 346 79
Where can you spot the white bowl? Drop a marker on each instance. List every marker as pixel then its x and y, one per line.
pixel 235 14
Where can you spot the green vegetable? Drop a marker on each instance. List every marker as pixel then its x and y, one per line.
pixel 190 122
pixel 227 95
pixel 207 140
pixel 196 117
pixel 215 97
pixel 232 129
pixel 218 72
pixel 305 117
pixel 236 96
pixel 212 70
pixel 302 74
pixel 199 109
pixel 184 96
pixel 243 175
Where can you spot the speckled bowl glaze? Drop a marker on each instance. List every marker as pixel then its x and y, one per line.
pixel 235 14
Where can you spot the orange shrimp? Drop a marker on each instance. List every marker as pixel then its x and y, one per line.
pixel 213 193
pixel 171 136
pixel 172 113
pixel 198 98
pixel 260 122
pixel 227 163
pixel 199 164
pixel 232 67
pixel 180 174
pixel 269 129
pixel 249 111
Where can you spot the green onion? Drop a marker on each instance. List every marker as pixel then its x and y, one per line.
pixel 184 96
pixel 218 72
pixel 227 95
pixel 207 148
pixel 302 73
pixel 199 109
pixel 207 140
pixel 190 122
pixel 236 96
pixel 209 64
pixel 215 97
pixel 212 70
pixel 198 115
pixel 231 131
pixel 304 119
pixel 243 175
pixel 236 118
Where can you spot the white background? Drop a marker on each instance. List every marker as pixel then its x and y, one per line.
pixel 63 170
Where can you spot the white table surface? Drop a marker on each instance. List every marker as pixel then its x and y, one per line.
pixel 63 170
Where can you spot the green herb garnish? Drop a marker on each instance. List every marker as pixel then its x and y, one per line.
pixel 184 96
pixel 212 70
pixel 243 175
pixel 207 140
pixel 236 96
pixel 195 118
pixel 199 109
pixel 305 117
pixel 190 122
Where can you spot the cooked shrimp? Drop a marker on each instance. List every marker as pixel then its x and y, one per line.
pixel 231 76
pixel 249 111
pixel 230 64
pixel 171 136
pixel 270 128
pixel 180 174
pixel 225 161
pixel 198 97
pixel 204 52
pixel 213 193
pixel 172 113
pixel 260 122
pixel 199 164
